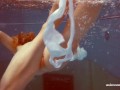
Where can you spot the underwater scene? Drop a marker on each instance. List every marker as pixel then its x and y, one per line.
pixel 60 45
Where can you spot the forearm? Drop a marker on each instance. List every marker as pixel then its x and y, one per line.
pixel 85 15
pixel 7 41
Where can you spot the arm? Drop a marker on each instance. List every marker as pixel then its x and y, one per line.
pixel 24 65
pixel 82 26
pixel 7 41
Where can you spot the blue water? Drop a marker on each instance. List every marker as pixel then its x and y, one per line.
pixel 105 53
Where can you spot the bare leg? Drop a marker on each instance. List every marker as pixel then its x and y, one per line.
pixel 7 41
pixel 85 15
pixel 57 23
pixel 82 25
pixel 24 64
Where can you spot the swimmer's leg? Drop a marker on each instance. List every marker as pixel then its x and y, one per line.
pixel 7 41
pixel 82 9
pixel 24 64
pixel 85 15
pixel 43 64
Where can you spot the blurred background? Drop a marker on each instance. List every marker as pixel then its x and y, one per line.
pixel 102 42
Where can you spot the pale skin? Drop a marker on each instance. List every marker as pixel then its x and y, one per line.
pixel 24 66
